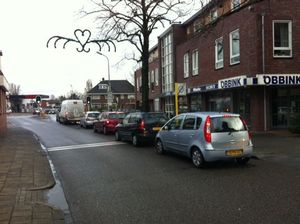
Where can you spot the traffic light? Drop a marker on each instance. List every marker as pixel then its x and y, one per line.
pixel 38 99
pixel 88 99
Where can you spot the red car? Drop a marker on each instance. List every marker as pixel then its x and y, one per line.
pixel 108 121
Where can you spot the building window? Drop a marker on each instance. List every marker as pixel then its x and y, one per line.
pixel 186 65
pixel 195 62
pixel 235 4
pixel 95 97
pixel 156 77
pixel 282 38
pixel 197 25
pixel 167 64
pixel 141 84
pixel 122 97
pixel 156 105
pixel 219 53
pixel 152 76
pixel 137 85
pixel 213 15
pixel 131 96
pixel 234 47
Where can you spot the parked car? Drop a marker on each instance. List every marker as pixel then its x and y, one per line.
pixel 57 114
pixel 36 110
pixel 108 121
pixel 206 136
pixel 139 127
pixel 52 111
pixel 71 111
pixel 89 118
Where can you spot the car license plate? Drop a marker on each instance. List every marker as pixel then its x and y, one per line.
pixel 156 128
pixel 234 152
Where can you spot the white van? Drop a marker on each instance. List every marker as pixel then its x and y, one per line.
pixel 71 111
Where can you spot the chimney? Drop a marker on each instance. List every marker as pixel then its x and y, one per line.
pixel 102 79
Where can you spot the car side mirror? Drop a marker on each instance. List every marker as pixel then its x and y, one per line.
pixel 167 128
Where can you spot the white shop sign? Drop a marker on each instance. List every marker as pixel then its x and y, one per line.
pixel 237 81
pixel 278 79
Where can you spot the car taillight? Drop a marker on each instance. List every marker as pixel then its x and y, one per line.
pixel 207 133
pixel 107 122
pixel 142 124
pixel 246 127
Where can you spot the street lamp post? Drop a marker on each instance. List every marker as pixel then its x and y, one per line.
pixel 108 74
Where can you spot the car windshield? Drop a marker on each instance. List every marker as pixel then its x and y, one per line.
pixel 227 124
pixel 116 116
pixel 156 117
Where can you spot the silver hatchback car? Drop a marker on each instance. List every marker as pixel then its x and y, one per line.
pixel 206 136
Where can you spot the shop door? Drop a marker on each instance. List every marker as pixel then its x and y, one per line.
pixel 285 105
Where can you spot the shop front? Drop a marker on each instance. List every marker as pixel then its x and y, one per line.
pixel 284 97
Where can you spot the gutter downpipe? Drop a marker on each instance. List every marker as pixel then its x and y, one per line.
pixel 264 68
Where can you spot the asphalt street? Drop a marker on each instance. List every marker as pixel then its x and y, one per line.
pixel 123 184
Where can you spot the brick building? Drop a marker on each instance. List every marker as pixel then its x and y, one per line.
pixel 238 56
pixel 122 96
pixel 3 100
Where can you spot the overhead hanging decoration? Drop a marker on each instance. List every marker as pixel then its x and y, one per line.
pixel 82 37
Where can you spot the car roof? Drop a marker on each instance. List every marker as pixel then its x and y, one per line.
pixel 211 113
pixel 91 112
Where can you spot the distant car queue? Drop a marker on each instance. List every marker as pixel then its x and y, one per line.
pixel 201 136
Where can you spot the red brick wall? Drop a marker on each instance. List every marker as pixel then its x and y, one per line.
pixel 250 45
pixel 283 10
pixel 3 119
pixel 248 21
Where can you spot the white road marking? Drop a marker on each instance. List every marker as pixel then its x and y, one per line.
pixel 92 145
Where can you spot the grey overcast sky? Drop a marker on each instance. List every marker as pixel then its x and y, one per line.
pixel 25 27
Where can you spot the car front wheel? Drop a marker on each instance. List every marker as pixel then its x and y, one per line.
pixel 197 158
pixel 159 148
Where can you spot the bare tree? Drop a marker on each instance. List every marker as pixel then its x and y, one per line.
pixel 88 87
pixel 133 21
pixel 14 89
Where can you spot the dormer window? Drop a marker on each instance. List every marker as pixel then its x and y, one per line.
pixel 235 4
pixel 197 26
pixel 213 15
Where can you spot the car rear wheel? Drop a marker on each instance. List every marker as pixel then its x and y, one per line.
pixel 135 140
pixel 117 136
pixel 243 161
pixel 197 158
pixel 159 148
pixel 105 130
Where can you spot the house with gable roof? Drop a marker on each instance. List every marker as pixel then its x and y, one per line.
pixel 122 96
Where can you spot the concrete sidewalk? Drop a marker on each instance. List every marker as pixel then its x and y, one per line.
pixel 25 175
pixel 276 144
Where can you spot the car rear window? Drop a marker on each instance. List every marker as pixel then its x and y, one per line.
pixel 227 124
pixel 156 117
pixel 116 116
pixel 93 114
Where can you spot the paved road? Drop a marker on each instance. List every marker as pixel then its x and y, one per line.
pixel 124 184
